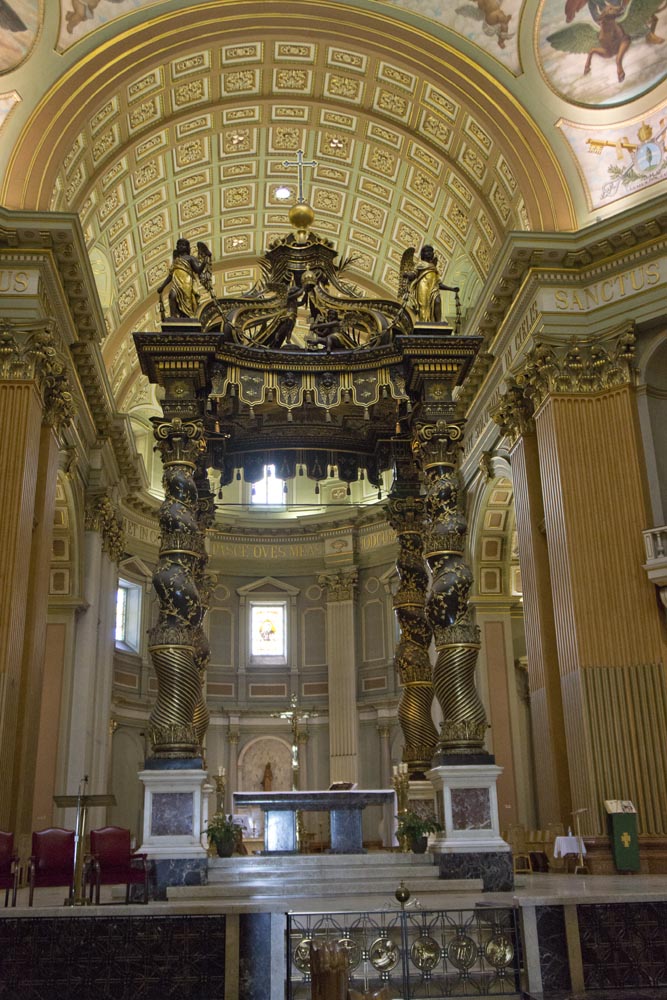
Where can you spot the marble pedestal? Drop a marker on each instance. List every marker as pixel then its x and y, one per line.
pixel 470 846
pixel 174 818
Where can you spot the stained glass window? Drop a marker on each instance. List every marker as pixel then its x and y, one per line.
pixel 267 630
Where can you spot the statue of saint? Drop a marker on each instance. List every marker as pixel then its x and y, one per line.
pixel 185 269
pixel 423 285
pixel 267 780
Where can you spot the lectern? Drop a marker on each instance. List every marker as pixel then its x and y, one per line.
pixel 81 803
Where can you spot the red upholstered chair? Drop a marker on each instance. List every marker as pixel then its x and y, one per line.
pixel 52 861
pixel 114 863
pixel 9 867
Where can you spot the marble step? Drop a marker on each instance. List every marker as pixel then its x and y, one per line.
pixel 321 867
pixel 282 889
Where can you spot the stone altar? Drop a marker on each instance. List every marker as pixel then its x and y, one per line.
pixel 345 808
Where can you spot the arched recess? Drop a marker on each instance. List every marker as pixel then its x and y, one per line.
pixel 502 675
pixel 256 754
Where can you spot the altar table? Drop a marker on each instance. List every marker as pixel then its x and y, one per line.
pixel 568 845
pixel 344 807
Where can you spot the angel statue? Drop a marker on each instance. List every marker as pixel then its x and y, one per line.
pixel 183 295
pixel 618 23
pixel 420 284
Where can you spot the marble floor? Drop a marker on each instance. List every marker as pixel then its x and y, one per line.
pixel 530 890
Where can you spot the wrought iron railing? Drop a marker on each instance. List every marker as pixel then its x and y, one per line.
pixel 415 953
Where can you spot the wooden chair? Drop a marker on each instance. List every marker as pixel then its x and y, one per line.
pixel 9 867
pixel 52 859
pixel 516 836
pixel 114 863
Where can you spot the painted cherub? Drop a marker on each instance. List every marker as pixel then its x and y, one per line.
pixel 82 10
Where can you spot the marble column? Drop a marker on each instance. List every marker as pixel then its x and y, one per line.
pixel 302 741
pixel 388 810
pixel 90 678
pixel 609 633
pixel 343 716
pixel 233 768
pixel 552 777
pixel 34 389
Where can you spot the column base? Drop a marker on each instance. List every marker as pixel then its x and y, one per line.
pixel 470 845
pixel 173 813
pixel 493 867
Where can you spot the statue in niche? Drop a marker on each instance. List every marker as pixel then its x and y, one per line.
pixel 267 779
pixel 420 284
pixel 185 271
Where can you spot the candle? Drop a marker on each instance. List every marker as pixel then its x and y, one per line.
pixel 221 771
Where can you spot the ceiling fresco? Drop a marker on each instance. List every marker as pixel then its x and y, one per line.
pixel 602 52
pixel 79 17
pixel 621 160
pixel 152 120
pixel 19 20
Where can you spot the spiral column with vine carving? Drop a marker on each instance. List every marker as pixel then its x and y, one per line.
pixel 457 639
pixel 205 583
pixel 175 642
pixel 412 661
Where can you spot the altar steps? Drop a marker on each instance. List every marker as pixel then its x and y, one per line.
pixel 321 876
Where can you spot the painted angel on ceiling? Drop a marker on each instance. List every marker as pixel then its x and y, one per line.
pixel 617 22
pixel 82 10
pixel 9 19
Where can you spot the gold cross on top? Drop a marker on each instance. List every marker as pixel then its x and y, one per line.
pixel 300 163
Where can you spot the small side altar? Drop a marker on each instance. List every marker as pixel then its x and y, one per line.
pixel 344 807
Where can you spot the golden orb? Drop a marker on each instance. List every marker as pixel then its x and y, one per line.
pixel 301 216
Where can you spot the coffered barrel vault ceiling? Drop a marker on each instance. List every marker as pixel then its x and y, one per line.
pixel 181 126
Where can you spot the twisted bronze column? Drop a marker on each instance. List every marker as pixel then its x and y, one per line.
pixel 175 643
pixel 405 510
pixel 437 446
pixel 205 582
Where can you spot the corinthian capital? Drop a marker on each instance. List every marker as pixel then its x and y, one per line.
pixel 179 442
pixel 438 443
pixel 101 515
pixel 339 586
pixel 28 351
pixel 514 412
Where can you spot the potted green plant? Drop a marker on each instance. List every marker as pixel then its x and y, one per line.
pixel 223 833
pixel 413 830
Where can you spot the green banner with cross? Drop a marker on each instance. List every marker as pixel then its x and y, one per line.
pixel 624 841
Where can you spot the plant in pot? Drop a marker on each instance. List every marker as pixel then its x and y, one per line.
pixel 413 830
pixel 223 833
